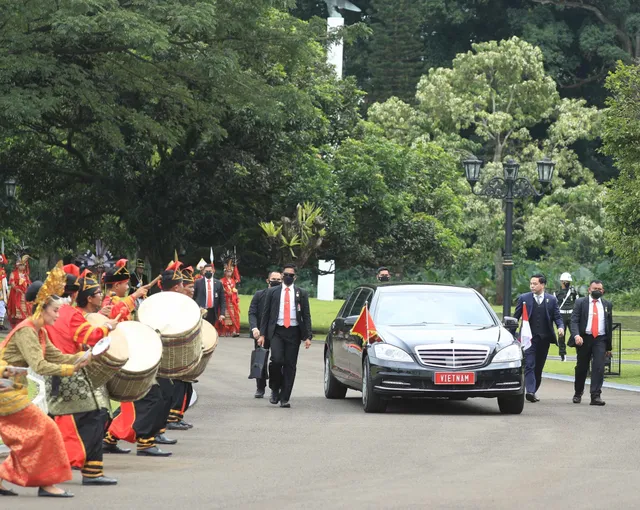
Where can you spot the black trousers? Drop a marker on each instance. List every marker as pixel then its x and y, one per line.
pixel 591 348
pixel 89 428
pixel 285 346
pixel 182 392
pixel 167 390
pixel 261 382
pixel 211 317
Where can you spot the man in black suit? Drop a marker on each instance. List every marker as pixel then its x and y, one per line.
pixel 286 321
pixel 255 317
pixel 543 312
pixel 209 295
pixel 592 325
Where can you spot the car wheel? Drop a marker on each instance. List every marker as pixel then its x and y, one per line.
pixel 332 387
pixel 371 403
pixel 512 404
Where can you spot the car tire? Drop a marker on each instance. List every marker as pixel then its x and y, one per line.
pixel 511 405
pixel 371 403
pixel 333 388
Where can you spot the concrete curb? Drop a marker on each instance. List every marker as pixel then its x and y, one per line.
pixel 613 386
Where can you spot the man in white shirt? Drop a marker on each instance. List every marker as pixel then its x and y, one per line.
pixel 592 325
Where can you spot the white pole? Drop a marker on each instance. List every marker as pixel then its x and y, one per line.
pixel 326 282
pixel 336 50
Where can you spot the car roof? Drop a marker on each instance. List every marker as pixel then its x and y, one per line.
pixel 398 287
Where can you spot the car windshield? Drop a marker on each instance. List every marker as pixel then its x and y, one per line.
pixel 427 308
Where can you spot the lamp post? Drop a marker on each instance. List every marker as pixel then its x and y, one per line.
pixel 507 188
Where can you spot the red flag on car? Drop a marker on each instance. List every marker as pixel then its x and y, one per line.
pixel 365 328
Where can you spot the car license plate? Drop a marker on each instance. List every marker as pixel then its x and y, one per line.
pixel 455 378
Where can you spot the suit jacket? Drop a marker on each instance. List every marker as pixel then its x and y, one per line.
pixel 551 308
pixel 580 318
pixel 200 296
pixel 271 310
pixel 255 310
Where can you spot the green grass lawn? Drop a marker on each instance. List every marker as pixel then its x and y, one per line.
pixel 630 374
pixel 322 313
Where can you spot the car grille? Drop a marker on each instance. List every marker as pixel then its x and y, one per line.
pixel 452 356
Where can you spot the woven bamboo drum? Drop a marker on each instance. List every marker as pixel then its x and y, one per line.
pixel 103 368
pixel 209 344
pixel 177 319
pixel 137 376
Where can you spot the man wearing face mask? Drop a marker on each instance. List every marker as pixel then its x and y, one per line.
pixel 209 295
pixel 383 275
pixel 592 326
pixel 286 322
pixel 255 318
pixel 567 298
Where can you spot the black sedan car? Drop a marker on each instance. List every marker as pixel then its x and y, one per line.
pixel 434 341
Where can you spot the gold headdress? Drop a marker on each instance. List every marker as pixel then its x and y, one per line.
pixel 52 286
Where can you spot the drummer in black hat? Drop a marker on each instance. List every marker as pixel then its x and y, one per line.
pixel 138 277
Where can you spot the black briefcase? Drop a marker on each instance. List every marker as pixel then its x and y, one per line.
pixel 259 359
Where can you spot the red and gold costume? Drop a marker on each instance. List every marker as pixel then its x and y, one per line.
pixel 17 307
pixel 38 457
pixel 230 326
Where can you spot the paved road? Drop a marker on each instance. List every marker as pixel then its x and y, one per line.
pixel 623 361
pixel 245 453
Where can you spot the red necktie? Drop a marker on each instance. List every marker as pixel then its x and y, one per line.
pixel 594 320
pixel 287 307
pixel 209 294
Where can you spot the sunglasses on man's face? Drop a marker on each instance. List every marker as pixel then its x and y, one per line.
pixel 288 274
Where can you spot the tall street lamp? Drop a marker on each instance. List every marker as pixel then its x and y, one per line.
pixel 507 188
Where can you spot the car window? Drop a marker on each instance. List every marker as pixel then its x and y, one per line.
pixel 432 308
pixel 363 297
pixel 346 310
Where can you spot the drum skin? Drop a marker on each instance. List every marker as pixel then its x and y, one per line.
pixel 102 369
pixel 209 344
pixel 178 320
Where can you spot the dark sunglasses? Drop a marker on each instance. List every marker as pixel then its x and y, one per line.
pixel 288 274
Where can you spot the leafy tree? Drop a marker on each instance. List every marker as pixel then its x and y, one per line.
pixel 621 135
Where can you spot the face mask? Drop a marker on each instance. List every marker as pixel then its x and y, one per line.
pixel 274 283
pixel 596 294
pixel 288 280
pixel 208 275
pixel 384 278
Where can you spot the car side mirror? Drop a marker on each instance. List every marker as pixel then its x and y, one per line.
pixel 510 324
pixel 351 320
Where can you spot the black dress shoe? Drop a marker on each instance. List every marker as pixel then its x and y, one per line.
pixel 577 399
pixel 597 401
pixel 531 397
pixel 275 397
pixel 259 394
pixel 154 451
pixel 7 492
pixel 44 494
pixel 100 480
pixel 177 426
pixel 114 448
pixel 162 439
pixel 285 403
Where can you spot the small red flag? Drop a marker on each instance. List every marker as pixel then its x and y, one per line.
pixel 365 328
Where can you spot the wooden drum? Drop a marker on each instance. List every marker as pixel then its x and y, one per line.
pixel 177 319
pixel 139 373
pixel 209 344
pixel 103 368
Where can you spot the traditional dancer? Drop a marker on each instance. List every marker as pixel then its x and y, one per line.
pixel 182 390
pixel 230 326
pixel 38 457
pixel 80 410
pixel 17 307
pixel 4 291
pixel 135 422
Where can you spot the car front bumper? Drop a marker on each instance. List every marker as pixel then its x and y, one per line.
pixel 410 380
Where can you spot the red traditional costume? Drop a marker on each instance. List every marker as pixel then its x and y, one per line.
pixel 17 307
pixel 230 326
pixel 38 457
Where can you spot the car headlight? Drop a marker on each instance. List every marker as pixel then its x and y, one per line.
pixel 390 352
pixel 510 353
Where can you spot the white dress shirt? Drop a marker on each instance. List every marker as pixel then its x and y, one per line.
pixel 539 298
pixel 292 298
pixel 601 324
